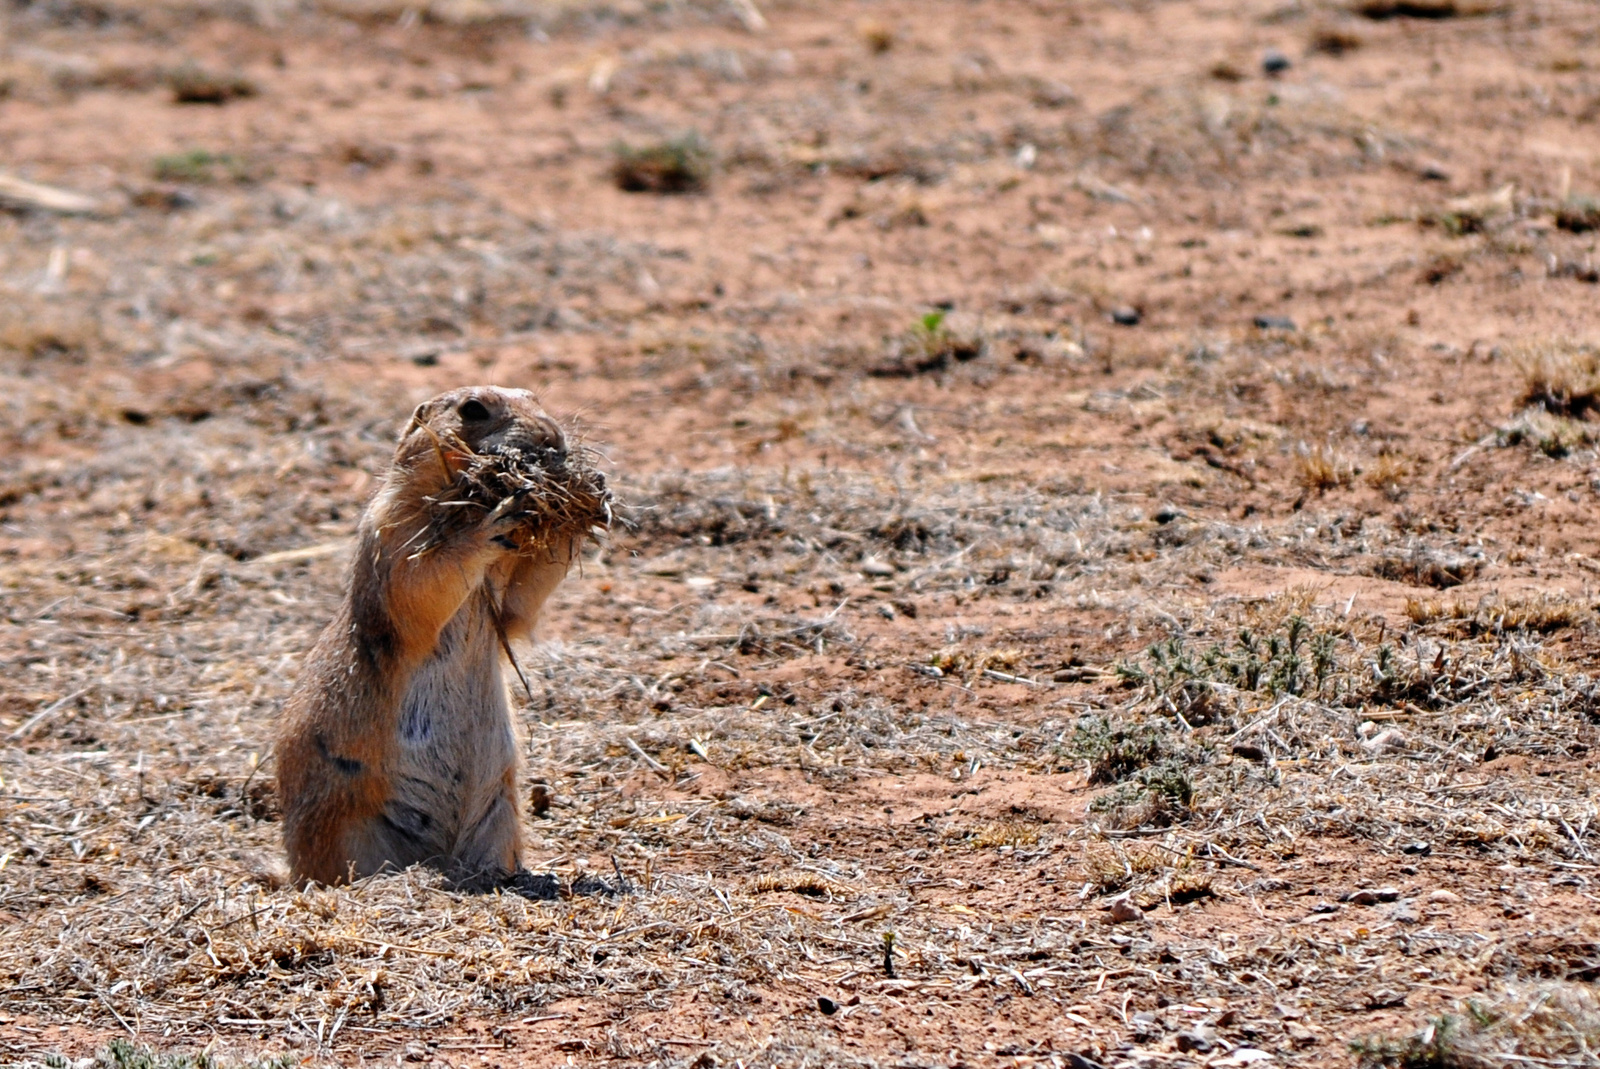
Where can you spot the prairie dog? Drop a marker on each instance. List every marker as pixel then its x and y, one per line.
pixel 397 746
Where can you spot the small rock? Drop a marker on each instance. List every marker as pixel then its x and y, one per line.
pixel 1324 907
pixel 1168 513
pixel 827 1005
pixel 1249 752
pixel 1405 913
pixel 886 611
pixel 1274 323
pixel 415 1052
pixel 1076 673
pixel 1433 172
pixel 1371 896
pixel 1126 317
pixel 1391 741
pixel 1079 1061
pixel 1417 849
pixel 1049 94
pixel 1123 910
pixel 875 567
pixel 1274 62
pixel 1200 1040
pixel 1441 897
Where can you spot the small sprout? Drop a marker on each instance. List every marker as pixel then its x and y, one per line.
pixel 199 167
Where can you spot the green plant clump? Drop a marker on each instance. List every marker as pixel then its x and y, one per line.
pixel 200 166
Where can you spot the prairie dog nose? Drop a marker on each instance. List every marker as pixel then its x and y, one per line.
pixel 547 434
pixel 535 433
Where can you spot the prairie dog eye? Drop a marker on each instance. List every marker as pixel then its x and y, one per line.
pixel 473 411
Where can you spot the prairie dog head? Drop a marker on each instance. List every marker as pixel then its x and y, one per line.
pixel 477 419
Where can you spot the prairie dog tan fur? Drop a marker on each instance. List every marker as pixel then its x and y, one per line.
pixel 397 746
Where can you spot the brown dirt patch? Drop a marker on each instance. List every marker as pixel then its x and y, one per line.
pixel 1068 464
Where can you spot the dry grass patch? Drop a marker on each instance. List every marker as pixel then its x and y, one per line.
pixel 1111 867
pixel 1562 380
pixel 1554 436
pixel 1544 1026
pixel 1005 833
pixel 1543 613
pixel 1322 468
pixel 1388 475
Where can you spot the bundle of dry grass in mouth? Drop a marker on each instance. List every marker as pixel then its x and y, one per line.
pixel 538 498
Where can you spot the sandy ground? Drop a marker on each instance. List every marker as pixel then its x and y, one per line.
pixel 1009 362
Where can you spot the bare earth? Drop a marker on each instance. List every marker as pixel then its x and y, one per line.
pixel 1093 506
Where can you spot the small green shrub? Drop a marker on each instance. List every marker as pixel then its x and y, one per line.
pixel 200 166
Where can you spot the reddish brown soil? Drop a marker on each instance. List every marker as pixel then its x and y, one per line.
pixel 1032 167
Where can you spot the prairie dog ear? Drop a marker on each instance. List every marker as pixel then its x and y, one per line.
pixel 420 417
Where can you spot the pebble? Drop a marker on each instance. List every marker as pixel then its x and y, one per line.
pixel 1417 849
pixel 827 1005
pixel 1274 62
pixel 1370 896
pixel 1123 910
pixel 1126 317
pixel 1168 513
pixel 1275 323
pixel 1391 741
pixel 1048 94
pixel 1442 897
pixel 873 566
pixel 1405 913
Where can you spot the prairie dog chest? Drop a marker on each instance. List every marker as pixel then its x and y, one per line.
pixel 455 737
